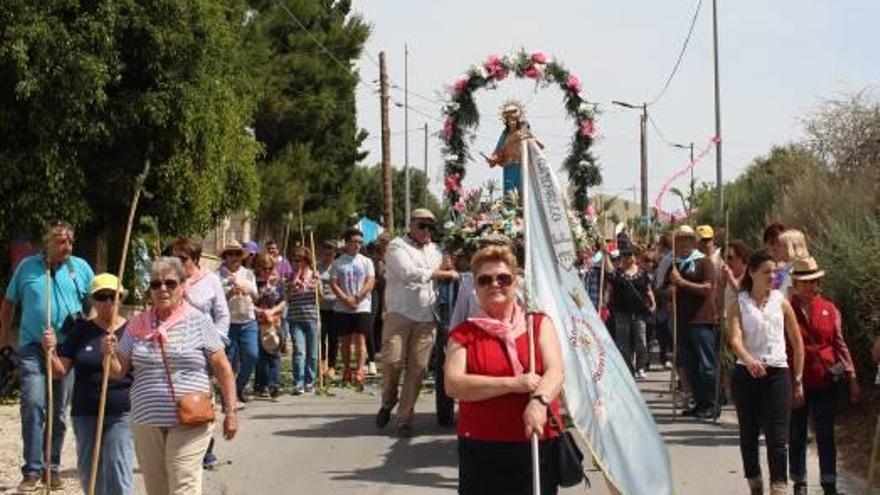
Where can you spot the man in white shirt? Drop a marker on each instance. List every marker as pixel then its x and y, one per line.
pixel 412 263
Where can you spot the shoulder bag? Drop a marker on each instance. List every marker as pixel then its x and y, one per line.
pixel 194 408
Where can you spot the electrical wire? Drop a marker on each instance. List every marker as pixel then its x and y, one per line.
pixel 680 55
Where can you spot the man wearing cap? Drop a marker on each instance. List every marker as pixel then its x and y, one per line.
pixel 692 277
pixel 69 278
pixel 412 263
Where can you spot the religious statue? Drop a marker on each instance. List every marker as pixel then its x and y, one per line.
pixel 508 151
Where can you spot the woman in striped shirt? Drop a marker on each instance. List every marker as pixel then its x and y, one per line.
pixel 303 317
pixel 170 454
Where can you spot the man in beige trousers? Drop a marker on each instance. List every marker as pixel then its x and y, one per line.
pixel 412 263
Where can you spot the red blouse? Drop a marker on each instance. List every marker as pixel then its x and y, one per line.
pixel 499 419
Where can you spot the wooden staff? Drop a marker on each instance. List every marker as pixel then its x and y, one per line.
pixel 50 393
pixel 105 377
pixel 320 387
pixel 530 323
pixel 673 378
pixel 872 464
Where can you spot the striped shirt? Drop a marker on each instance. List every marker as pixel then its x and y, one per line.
pixel 207 296
pixel 301 302
pixel 190 342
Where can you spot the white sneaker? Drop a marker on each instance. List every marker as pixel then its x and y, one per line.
pixel 641 374
pixel 667 365
pixel 371 368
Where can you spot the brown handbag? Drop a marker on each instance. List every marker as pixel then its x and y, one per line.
pixel 194 408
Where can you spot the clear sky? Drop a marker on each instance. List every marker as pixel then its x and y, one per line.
pixel 779 58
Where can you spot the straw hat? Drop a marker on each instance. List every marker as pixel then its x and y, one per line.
pixel 806 269
pixel 685 231
pixel 232 246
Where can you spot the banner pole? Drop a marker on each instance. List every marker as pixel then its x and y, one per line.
pixel 320 387
pixel 722 327
pixel 527 277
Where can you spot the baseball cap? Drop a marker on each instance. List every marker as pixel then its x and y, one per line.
pixel 105 281
pixel 705 232
pixel 423 214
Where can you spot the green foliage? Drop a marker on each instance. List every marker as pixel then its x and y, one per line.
pixel 366 185
pixel 305 116
pixel 86 88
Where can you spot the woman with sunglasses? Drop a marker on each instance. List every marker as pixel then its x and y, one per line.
pixel 824 350
pixel 303 316
pixel 174 334
pixel 81 351
pixel 500 402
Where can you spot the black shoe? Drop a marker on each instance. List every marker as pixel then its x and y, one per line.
pixel 404 431
pixel 690 412
pixel 830 489
pixel 706 413
pixel 383 417
pixel 29 483
pixel 244 398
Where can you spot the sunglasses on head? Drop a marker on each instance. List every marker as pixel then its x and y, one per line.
pixel 168 283
pixel 502 279
pixel 104 296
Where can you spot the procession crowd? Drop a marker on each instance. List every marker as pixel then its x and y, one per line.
pixel 350 308
pixel 787 340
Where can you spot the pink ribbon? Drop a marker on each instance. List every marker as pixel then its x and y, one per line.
pixel 503 330
pixel 690 165
pixel 141 326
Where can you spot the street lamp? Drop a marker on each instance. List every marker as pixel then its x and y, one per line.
pixel 643 148
pixel 691 148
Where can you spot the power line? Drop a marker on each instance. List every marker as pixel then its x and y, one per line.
pixel 659 132
pixel 347 68
pixel 680 54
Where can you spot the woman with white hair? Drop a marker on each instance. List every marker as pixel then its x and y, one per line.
pixel 172 350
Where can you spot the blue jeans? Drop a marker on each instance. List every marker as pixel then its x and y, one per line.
pixel 698 351
pixel 268 370
pixel 116 470
pixel 244 344
pixel 305 353
pixel 33 409
pixel 821 403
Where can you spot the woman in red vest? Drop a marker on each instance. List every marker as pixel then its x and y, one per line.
pixel 827 364
pixel 500 402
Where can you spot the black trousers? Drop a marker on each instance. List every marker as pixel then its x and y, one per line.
pixel 329 338
pixel 763 404
pixel 487 468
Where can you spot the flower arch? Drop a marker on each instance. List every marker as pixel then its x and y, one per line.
pixel 462 118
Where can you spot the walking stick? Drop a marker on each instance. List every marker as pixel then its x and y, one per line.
pixel 320 388
pixel 673 380
pixel 722 328
pixel 105 376
pixel 50 393
pixel 530 324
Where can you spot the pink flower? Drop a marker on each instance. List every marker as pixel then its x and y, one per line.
pixel 452 182
pixel 461 84
pixel 587 128
pixel 460 206
pixel 573 84
pixel 448 128
pixel 495 67
pixel 534 71
pixel 539 58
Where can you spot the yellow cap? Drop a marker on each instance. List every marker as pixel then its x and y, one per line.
pixel 106 281
pixel 705 232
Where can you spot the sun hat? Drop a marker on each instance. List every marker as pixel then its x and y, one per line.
pixel 685 231
pixel 251 247
pixel 423 214
pixel 106 281
pixel 705 232
pixel 806 269
pixel 232 246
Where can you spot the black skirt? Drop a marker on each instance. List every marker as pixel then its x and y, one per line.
pixel 488 468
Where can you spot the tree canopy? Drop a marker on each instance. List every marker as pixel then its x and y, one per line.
pixel 87 88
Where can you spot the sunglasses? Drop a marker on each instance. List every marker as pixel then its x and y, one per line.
pixel 103 296
pixel 425 226
pixel 168 283
pixel 502 279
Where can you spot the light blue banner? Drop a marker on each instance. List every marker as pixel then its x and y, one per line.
pixel 601 396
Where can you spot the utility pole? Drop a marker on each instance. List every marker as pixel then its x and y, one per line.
pixel 407 209
pixel 427 179
pixel 643 155
pixel 387 172
pixel 693 192
pixel 719 184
